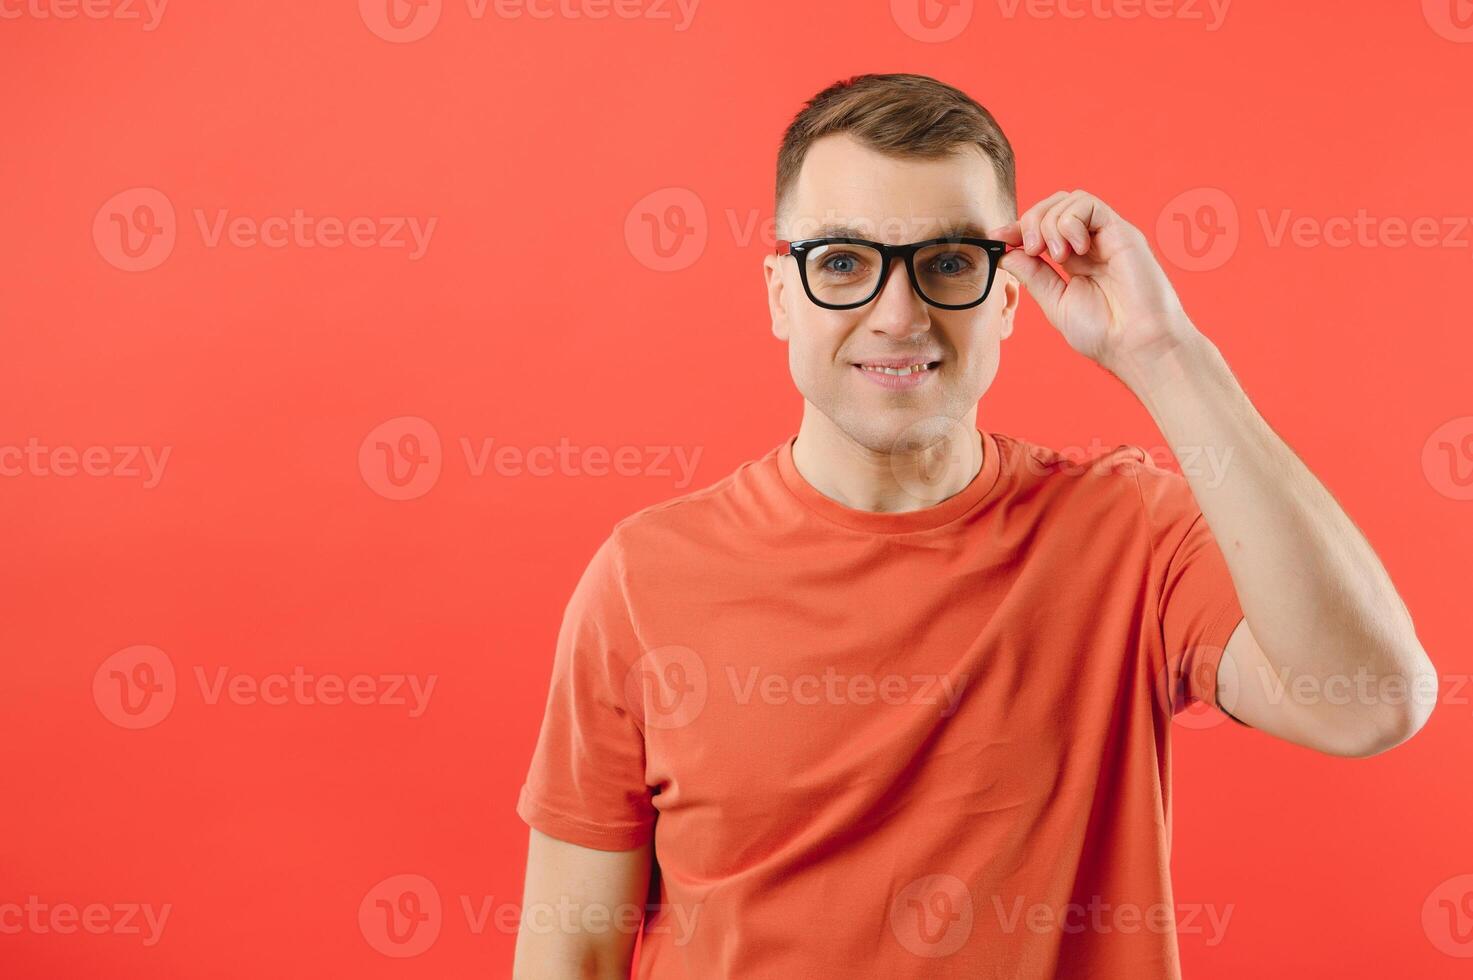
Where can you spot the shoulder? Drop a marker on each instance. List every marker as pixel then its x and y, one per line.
pixel 1105 496
pixel 717 510
pixel 1123 482
pixel 1092 470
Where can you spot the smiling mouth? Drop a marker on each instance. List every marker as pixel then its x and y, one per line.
pixel 899 371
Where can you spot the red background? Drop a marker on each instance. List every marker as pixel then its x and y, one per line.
pixel 532 318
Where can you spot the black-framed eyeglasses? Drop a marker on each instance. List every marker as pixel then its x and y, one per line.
pixel 843 273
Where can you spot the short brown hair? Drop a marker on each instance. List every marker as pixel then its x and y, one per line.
pixel 902 115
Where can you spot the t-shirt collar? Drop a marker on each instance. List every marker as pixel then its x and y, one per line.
pixel 925 519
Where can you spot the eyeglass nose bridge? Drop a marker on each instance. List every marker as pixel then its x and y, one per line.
pixel 907 255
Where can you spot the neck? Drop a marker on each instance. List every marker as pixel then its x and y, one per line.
pixel 886 482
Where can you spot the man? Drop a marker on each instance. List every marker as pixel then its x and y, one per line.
pixel 895 699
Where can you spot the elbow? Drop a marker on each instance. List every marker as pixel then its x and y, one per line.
pixel 1396 716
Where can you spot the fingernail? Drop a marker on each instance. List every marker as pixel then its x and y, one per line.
pixel 1030 239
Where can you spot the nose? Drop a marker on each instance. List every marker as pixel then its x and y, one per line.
pixel 898 310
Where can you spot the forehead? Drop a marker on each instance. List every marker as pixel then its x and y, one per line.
pixel 892 199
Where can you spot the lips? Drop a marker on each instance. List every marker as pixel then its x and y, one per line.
pixel 897 374
pixel 899 365
pixel 900 369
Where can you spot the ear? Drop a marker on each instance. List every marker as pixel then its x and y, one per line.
pixel 1011 292
pixel 772 267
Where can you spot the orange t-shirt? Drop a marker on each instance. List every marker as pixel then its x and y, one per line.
pixel 926 744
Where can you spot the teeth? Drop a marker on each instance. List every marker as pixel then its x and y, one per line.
pixel 912 369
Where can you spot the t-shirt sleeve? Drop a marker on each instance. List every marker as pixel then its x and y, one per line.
pixel 586 784
pixel 1197 605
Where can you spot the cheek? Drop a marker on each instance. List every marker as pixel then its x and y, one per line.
pixel 816 339
pixel 978 353
pixel 976 339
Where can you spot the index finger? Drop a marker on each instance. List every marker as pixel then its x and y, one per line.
pixel 1011 233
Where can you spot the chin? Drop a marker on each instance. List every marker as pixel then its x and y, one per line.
pixel 897 430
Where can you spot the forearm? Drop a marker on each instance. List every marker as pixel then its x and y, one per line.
pixel 1315 595
pixel 569 961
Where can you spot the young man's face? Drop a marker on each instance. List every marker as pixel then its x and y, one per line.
pixel 894 201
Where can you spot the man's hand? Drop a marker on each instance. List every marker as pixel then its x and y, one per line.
pixel 1116 305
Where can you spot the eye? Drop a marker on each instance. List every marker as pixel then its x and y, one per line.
pixel 841 263
pixel 951 264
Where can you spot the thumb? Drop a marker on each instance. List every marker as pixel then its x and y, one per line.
pixel 1041 280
